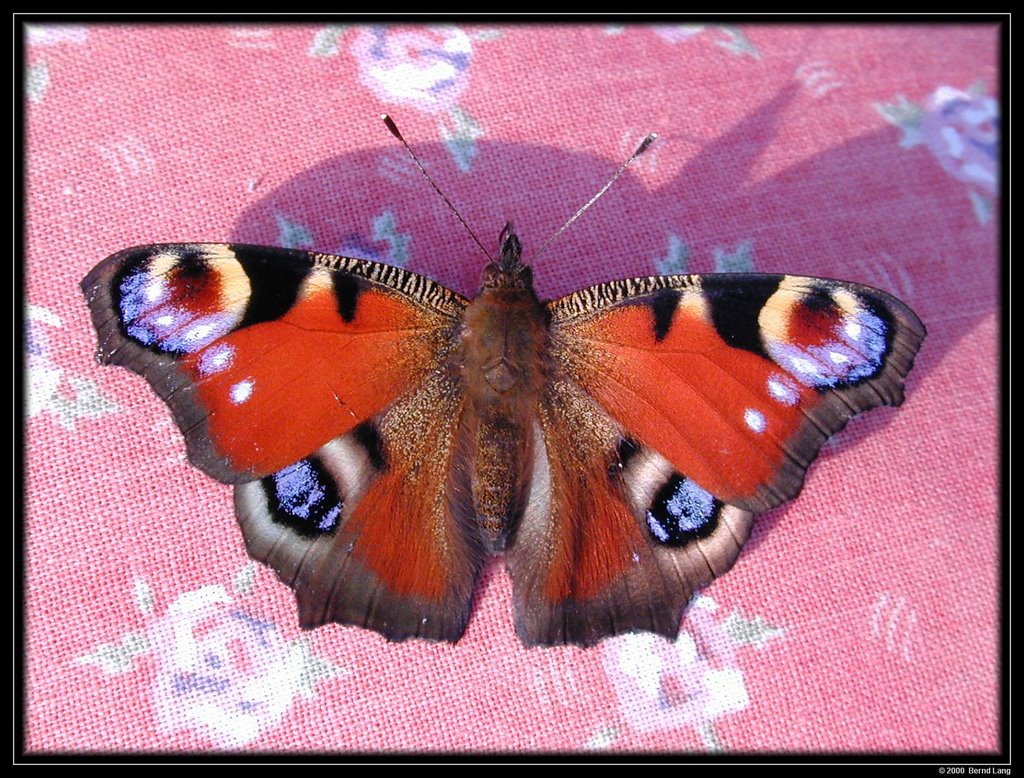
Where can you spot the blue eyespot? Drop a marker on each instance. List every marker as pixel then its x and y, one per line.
pixel 855 351
pixel 681 511
pixel 304 497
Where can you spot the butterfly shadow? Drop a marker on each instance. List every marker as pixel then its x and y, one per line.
pixel 864 210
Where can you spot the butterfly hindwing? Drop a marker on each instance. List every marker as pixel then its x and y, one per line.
pixel 265 354
pixel 374 528
pixel 613 538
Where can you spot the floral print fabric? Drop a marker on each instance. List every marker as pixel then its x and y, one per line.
pixel 861 617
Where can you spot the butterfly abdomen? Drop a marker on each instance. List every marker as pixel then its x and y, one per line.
pixel 504 339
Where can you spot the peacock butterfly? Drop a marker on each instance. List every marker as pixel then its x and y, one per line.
pixel 386 435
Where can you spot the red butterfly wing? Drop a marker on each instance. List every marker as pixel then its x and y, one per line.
pixel 266 354
pixel 679 406
pixel 737 379
pixel 313 378
pixel 584 560
pixel 375 528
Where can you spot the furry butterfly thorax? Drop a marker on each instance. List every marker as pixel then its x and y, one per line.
pixel 385 435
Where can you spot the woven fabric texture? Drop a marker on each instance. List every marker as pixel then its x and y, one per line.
pixel 863 616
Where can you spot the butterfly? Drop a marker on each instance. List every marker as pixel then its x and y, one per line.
pixel 386 435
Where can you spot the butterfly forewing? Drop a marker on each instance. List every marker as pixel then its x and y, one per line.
pixel 736 379
pixel 266 354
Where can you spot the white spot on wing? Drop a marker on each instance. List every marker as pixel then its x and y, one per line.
pixel 155 290
pixel 755 420
pixel 781 390
pixel 852 349
pixel 838 358
pixel 805 366
pixel 242 391
pixel 216 359
pixel 199 332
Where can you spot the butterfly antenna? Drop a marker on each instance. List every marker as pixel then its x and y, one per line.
pixel 622 168
pixel 390 124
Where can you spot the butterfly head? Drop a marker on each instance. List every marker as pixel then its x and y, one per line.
pixel 509 272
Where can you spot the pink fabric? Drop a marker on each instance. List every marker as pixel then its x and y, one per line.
pixel 863 616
